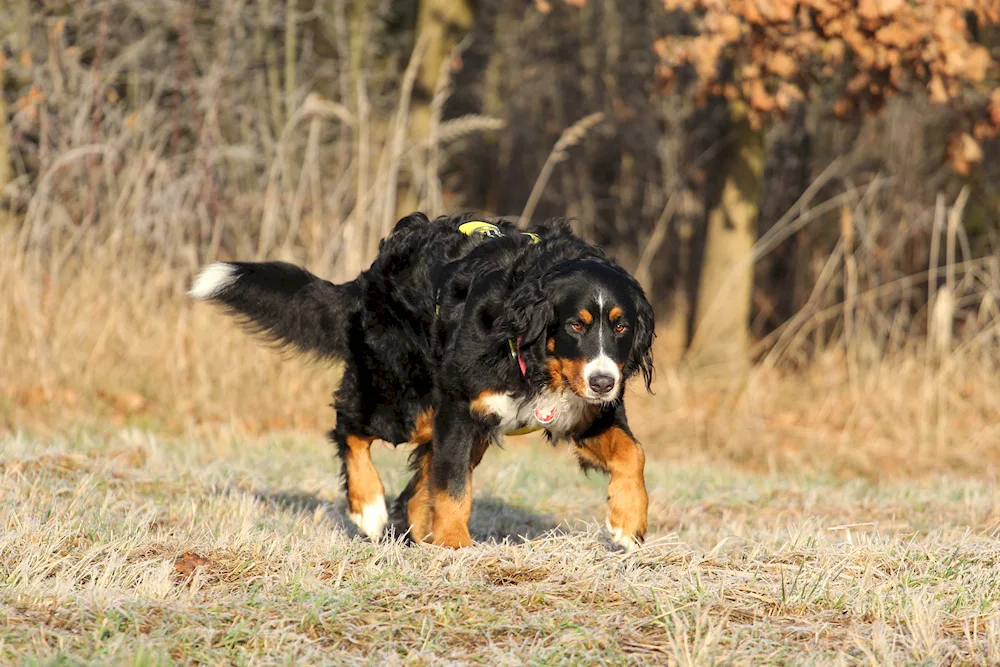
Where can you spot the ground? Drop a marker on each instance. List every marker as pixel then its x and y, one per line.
pixel 132 548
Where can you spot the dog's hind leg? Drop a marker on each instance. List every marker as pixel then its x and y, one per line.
pixel 415 498
pixel 365 493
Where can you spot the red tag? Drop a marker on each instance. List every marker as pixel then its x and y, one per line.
pixel 545 416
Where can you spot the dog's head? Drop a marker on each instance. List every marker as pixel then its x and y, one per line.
pixel 591 324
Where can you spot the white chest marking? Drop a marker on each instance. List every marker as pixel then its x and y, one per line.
pixel 515 413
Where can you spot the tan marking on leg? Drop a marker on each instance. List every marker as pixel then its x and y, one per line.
pixel 418 507
pixel 423 428
pixel 615 313
pixel 585 316
pixel 451 515
pixel 619 454
pixel 451 519
pixel 589 460
pixel 365 493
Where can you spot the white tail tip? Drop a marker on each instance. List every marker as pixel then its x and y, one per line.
pixel 213 280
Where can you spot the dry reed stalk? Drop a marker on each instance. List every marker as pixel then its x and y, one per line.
pixel 456 128
pixel 271 67
pixel 652 245
pixel 800 324
pixel 809 321
pixel 944 314
pixel 307 175
pixel 850 295
pixel 291 18
pixel 795 219
pixel 272 196
pixel 928 389
pixel 442 91
pixel 570 137
pixel 398 134
pixel 360 214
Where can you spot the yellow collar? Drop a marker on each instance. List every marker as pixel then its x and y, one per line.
pixel 489 230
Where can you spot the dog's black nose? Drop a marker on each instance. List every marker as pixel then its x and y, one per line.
pixel 601 384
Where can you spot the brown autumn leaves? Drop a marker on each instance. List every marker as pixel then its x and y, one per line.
pixel 775 49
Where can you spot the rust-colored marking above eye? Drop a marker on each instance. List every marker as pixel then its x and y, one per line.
pixel 585 316
pixel 615 313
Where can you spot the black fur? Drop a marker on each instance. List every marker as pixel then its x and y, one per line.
pixel 429 326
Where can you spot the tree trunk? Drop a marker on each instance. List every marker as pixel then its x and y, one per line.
pixel 721 340
pixel 443 23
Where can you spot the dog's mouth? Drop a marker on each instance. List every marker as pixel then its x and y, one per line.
pixel 597 381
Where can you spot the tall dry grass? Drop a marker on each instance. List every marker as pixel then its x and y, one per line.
pixel 144 182
pixel 134 195
pixel 859 382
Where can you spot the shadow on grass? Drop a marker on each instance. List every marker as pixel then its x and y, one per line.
pixel 493 520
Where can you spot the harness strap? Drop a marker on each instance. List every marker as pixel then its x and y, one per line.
pixel 489 230
pixel 515 353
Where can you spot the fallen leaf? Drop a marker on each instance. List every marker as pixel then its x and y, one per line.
pixel 133 457
pixel 729 27
pixel 970 148
pixel 189 562
pixel 938 93
pixel 127 402
pixel 984 129
pixel 868 9
pixel 977 64
pixel 895 34
pixel 887 7
pixel 783 64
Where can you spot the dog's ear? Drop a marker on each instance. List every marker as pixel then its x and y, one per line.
pixel 528 313
pixel 641 355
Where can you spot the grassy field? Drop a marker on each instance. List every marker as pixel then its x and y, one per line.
pixel 134 549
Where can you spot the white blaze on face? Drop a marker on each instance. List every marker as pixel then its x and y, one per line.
pixel 602 364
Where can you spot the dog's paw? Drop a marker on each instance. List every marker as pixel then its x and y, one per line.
pixel 627 541
pixel 372 518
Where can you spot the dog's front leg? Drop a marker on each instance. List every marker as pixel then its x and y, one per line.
pixel 457 449
pixel 616 452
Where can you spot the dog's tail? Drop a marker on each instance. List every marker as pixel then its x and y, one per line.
pixel 283 303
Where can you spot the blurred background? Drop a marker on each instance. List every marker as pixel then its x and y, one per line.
pixel 807 189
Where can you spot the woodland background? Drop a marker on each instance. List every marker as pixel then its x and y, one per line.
pixel 806 189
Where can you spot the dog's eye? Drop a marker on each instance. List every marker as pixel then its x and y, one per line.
pixel 620 328
pixel 576 326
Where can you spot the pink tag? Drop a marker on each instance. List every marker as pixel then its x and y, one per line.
pixel 545 416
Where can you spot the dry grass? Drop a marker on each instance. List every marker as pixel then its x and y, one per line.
pixel 118 344
pixel 891 425
pixel 102 537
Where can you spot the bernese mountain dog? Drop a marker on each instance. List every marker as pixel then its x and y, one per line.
pixel 463 331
